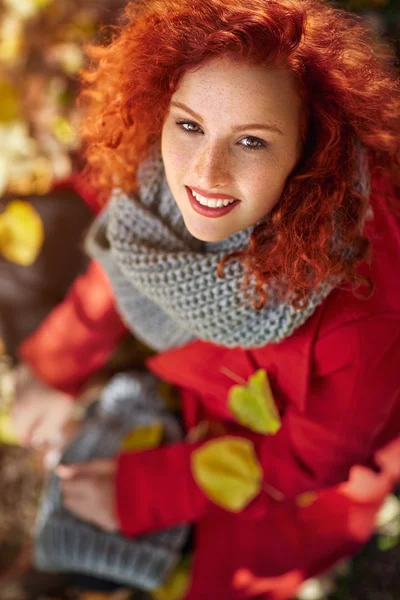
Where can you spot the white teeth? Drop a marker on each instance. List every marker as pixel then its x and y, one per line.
pixel 211 202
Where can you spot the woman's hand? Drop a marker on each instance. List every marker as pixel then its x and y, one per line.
pixel 89 492
pixel 39 412
pixel 45 418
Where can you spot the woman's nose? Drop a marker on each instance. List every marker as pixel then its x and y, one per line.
pixel 212 167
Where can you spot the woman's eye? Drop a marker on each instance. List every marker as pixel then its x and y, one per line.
pixel 253 143
pixel 248 143
pixel 188 126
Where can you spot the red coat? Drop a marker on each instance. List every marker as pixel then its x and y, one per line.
pixel 337 382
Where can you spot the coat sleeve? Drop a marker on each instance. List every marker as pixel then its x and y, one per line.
pixel 353 392
pixel 78 336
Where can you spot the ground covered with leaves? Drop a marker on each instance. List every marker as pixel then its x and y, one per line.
pixel 373 574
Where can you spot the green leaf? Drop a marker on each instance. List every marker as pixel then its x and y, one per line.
pixel 254 406
pixel 386 542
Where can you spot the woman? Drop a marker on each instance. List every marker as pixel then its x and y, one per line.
pixel 240 140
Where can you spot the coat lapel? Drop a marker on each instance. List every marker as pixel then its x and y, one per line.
pixel 211 370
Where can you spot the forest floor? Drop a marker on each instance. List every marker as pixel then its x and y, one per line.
pixel 373 574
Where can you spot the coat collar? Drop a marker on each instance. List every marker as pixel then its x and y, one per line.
pixel 204 367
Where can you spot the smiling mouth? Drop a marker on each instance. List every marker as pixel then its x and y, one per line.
pixel 210 207
pixel 211 202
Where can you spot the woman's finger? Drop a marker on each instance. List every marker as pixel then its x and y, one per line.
pixel 91 498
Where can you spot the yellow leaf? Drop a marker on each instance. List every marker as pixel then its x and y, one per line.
pixel 144 437
pixel 9 103
pixel 7 435
pixel 42 3
pixel 177 585
pixel 63 130
pixel 28 8
pixel 21 233
pixel 253 404
pixel 71 58
pixel 228 472
pixel 11 48
pixel 306 499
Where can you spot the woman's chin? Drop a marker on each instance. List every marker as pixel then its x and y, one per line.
pixel 206 234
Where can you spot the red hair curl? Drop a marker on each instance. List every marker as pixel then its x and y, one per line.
pixel 350 96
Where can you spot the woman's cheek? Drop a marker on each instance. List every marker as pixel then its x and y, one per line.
pixel 174 152
pixel 180 159
pixel 267 187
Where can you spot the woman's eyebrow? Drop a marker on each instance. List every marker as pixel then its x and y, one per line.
pixel 237 128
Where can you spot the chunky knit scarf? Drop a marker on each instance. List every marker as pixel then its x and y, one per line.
pixel 166 282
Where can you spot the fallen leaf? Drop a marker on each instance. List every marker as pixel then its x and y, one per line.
pixel 143 437
pixel 29 8
pixel 387 542
pixel 7 435
pixel 228 472
pixel 63 130
pixel 11 47
pixel 9 102
pixel 21 233
pixel 253 404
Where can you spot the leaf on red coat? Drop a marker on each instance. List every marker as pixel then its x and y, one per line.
pixel 228 472
pixel 254 406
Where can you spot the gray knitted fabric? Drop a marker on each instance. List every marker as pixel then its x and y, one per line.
pixel 66 544
pixel 165 280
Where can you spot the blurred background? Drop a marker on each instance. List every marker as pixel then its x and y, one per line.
pixel 45 208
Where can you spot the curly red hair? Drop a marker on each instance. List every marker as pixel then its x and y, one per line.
pixel 350 96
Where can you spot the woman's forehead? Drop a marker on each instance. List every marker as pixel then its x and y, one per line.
pixel 229 91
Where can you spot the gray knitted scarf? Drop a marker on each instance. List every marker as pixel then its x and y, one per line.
pixel 166 282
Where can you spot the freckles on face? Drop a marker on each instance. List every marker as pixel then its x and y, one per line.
pixel 229 143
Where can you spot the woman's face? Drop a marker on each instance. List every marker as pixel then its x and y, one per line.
pixel 229 142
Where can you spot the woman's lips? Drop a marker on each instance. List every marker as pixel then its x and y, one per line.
pixel 208 211
pixel 208 195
